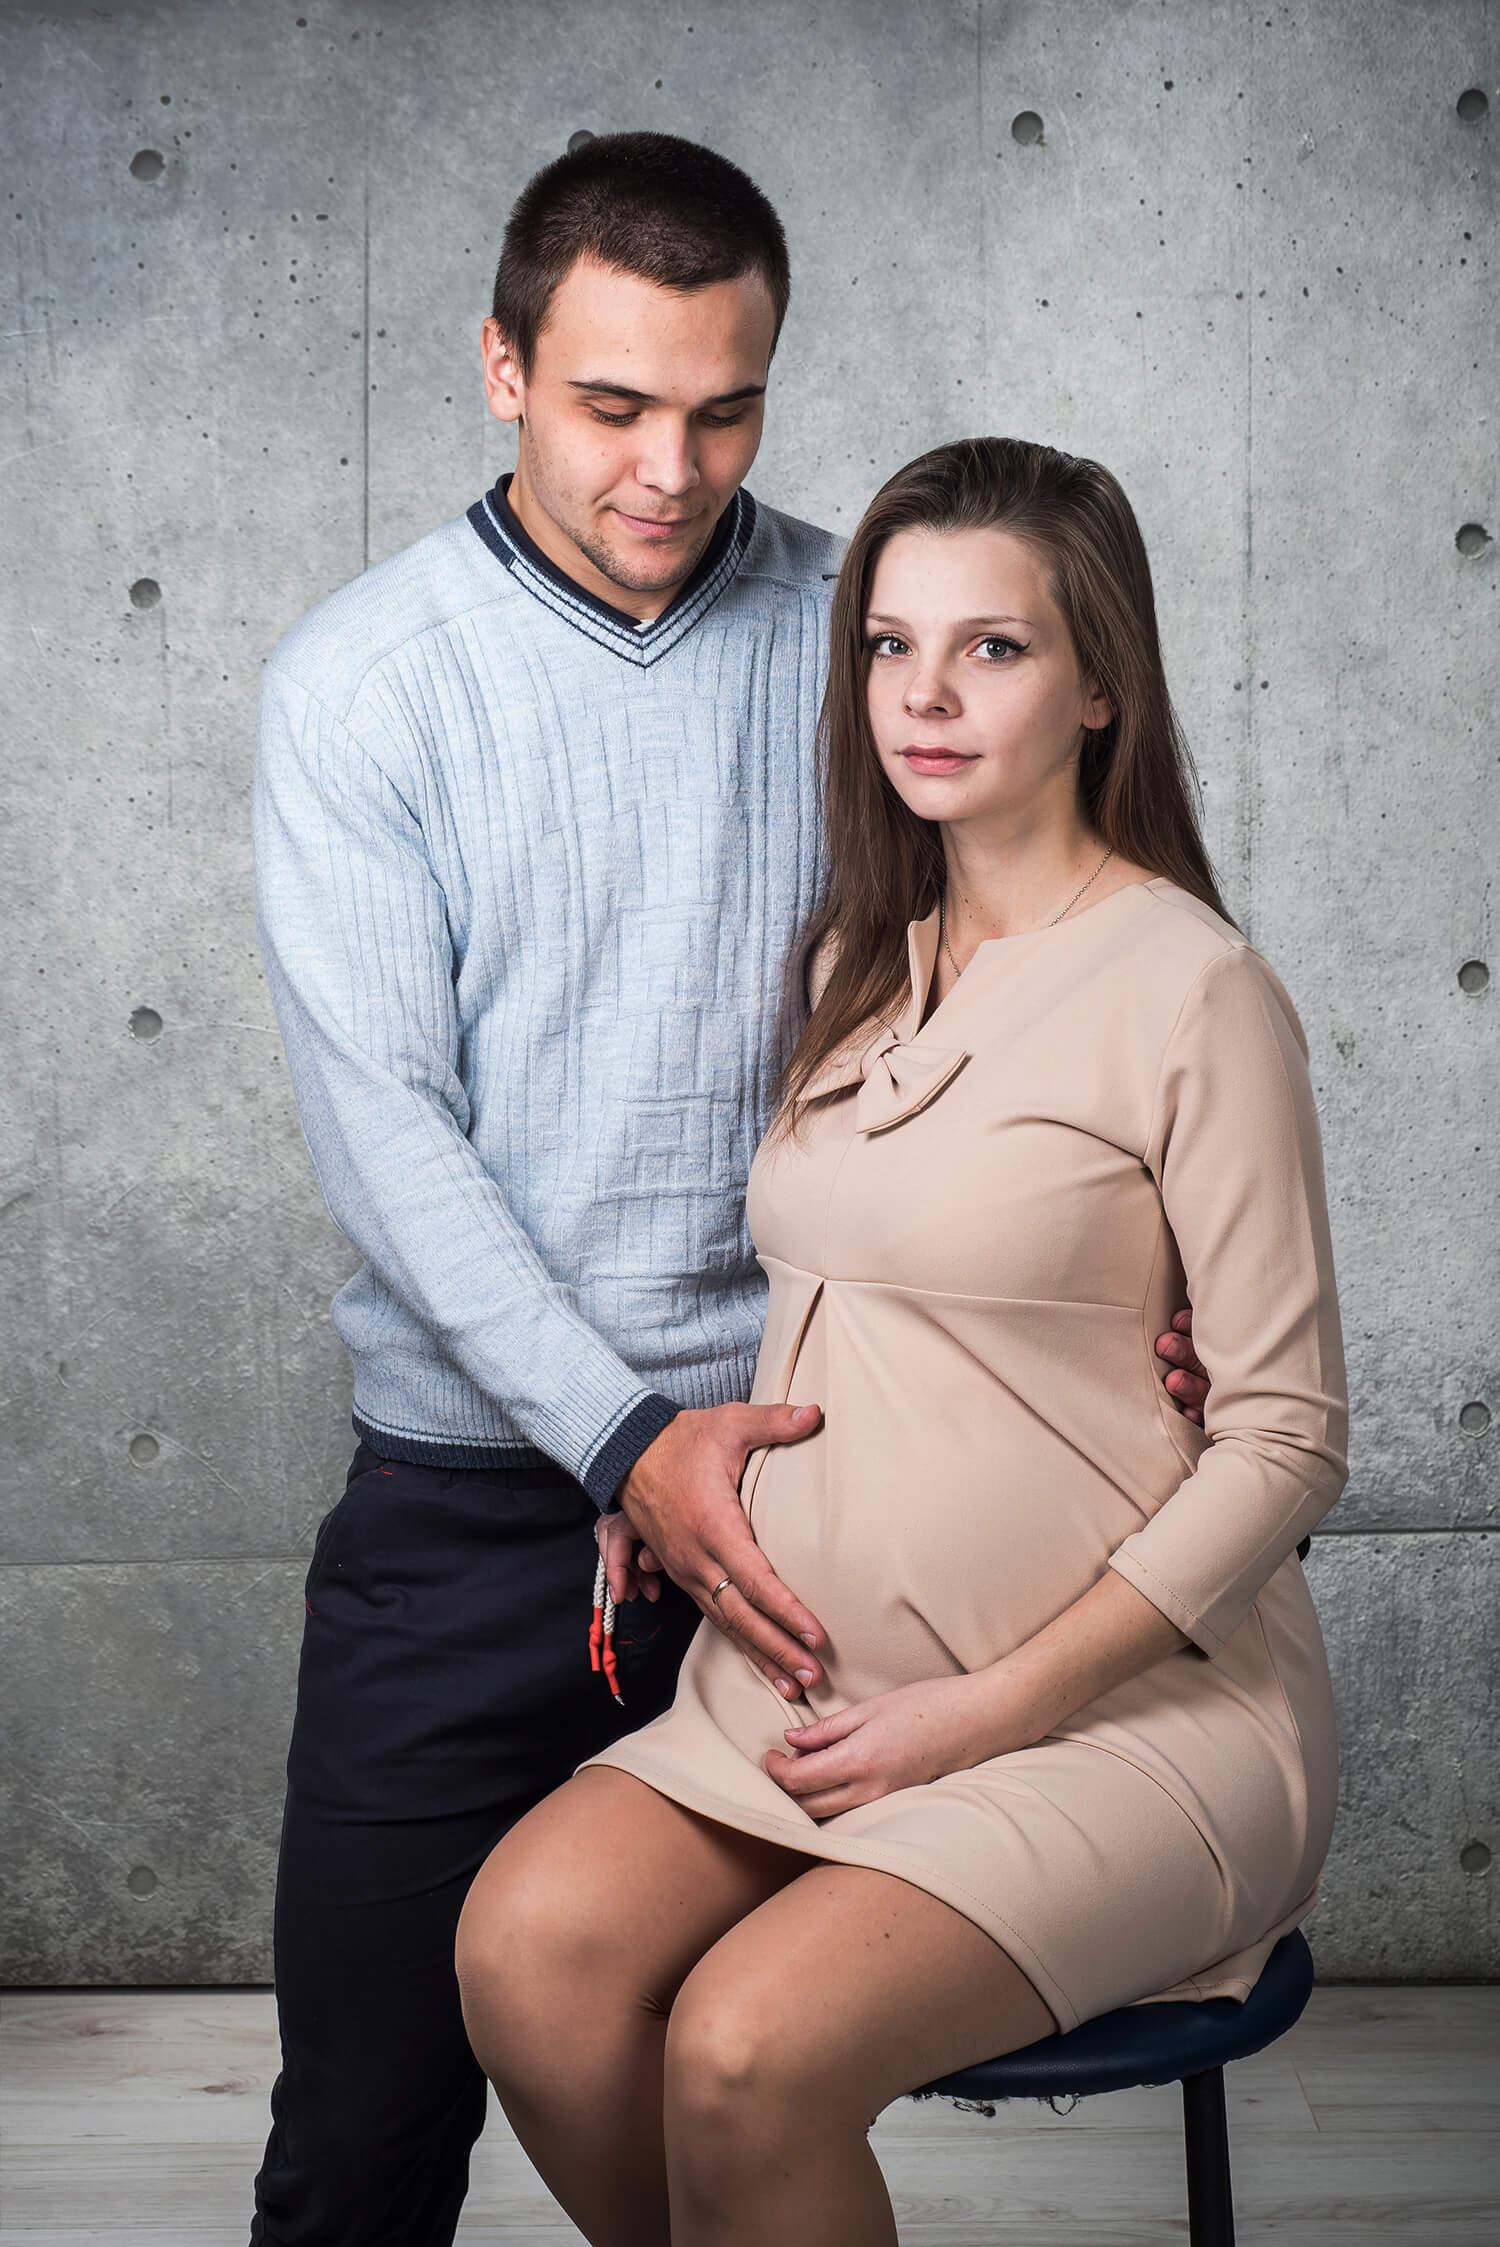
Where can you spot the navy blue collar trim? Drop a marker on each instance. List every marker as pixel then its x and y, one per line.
pixel 643 644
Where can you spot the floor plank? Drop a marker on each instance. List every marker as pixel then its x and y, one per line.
pixel 132 2115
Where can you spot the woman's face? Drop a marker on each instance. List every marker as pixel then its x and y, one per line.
pixel 975 697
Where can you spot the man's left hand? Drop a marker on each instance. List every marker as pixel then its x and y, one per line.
pixel 1187 1383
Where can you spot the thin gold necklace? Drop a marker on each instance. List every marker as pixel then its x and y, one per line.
pixel 1072 901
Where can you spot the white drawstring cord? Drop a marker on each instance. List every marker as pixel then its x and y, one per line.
pixel 602 1632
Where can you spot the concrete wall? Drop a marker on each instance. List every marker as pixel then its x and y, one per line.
pixel 1248 262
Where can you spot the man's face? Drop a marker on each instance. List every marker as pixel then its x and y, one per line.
pixel 639 420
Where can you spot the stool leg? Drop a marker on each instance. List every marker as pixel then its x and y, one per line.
pixel 1206 2132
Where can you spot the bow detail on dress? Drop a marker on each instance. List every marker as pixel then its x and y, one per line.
pixel 896 1079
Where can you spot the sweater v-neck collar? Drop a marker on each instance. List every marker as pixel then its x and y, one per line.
pixel 626 636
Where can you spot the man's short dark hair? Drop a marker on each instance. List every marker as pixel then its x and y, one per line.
pixel 644 203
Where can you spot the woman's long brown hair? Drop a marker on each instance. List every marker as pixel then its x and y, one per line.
pixel 1136 781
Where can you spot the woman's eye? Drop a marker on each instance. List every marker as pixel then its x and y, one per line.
pixel 886 643
pixel 997 649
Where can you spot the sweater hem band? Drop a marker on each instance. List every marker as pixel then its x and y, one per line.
pixel 452 1451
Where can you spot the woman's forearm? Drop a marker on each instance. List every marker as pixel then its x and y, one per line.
pixel 1112 1633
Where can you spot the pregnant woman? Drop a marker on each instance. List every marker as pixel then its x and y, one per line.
pixel 1074 1745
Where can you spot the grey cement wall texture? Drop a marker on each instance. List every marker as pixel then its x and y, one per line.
pixel 1246 259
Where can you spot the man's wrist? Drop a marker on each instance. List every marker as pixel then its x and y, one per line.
pixel 636 1433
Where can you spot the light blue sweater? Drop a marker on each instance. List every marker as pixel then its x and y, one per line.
pixel 532 883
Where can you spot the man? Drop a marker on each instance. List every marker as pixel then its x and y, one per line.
pixel 536 845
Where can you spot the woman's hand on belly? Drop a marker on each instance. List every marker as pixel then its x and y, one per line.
pixel 917 1733
pixel 900 1739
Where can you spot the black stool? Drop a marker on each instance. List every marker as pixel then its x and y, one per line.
pixel 1189 2044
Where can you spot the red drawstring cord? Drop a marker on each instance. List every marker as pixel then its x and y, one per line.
pixel 602 1633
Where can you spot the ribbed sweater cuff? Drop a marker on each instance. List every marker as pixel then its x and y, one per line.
pixel 620 1450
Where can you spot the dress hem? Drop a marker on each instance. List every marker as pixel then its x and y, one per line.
pixel 1222 1978
pixel 871 1854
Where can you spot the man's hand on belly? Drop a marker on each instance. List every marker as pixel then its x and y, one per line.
pixel 682 1500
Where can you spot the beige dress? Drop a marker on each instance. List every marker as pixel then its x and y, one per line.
pixel 971 1247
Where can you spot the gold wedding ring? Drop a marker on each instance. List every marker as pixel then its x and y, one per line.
pixel 719 1587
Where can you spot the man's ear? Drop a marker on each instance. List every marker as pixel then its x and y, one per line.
pixel 504 383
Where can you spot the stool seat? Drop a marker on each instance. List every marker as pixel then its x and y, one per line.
pixel 1148 2043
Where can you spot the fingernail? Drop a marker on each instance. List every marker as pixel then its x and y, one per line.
pixel 809 1640
pixel 807 1676
pixel 785 1685
pixel 806 1412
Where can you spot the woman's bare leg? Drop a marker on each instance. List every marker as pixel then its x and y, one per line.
pixel 844 1990
pixel 577 1935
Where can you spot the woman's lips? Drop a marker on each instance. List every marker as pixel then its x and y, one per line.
pixel 936 761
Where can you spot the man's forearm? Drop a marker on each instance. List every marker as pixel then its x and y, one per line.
pixel 404 1186
pixel 354 933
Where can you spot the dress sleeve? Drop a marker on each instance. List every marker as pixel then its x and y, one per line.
pixel 1234 1149
pixel 354 934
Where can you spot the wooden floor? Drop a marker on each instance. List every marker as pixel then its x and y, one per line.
pixel 132 2116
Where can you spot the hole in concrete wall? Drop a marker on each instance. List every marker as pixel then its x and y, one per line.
pixel 577 141
pixel 140 1880
pixel 1474 1418
pixel 1473 104
pixel 147 163
pixel 1027 128
pixel 145 593
pixel 1472 538
pixel 143 1449
pixel 1474 1857
pixel 145 1024
pixel 1473 976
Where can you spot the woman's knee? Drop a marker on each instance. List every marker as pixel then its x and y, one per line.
pixel 525 1935
pixel 733 2056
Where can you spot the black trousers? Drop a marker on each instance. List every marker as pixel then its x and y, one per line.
pixel 444 1688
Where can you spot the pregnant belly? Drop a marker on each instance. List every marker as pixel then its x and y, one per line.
pixel 936 1520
